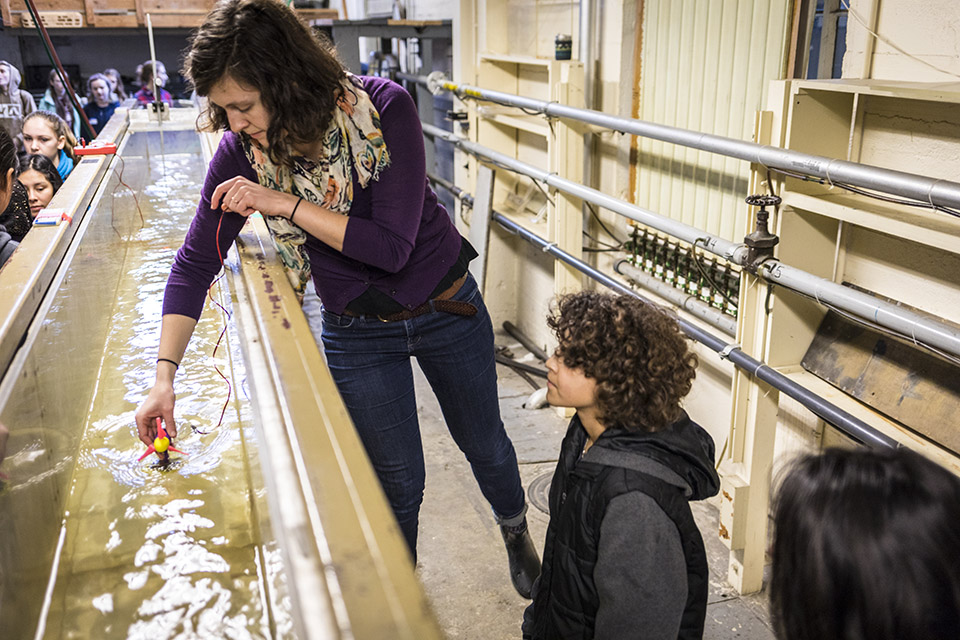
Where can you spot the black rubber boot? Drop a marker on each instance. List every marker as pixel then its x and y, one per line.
pixel 522 555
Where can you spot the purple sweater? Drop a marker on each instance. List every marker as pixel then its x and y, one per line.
pixel 399 239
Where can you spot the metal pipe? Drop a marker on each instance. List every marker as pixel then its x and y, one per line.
pixel 922 329
pixel 685 301
pixel 912 325
pixel 850 425
pixel 899 183
pixel 521 366
pixel 693 305
pixel 734 252
pixel 829 412
pixel 587 14
pixel 524 340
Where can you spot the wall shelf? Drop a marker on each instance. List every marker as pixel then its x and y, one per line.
pixel 924 226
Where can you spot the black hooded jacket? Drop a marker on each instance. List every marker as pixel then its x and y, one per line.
pixel 623 557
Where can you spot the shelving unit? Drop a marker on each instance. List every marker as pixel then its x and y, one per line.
pixel 551 145
pixel 898 252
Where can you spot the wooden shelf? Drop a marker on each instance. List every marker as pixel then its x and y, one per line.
pixel 921 225
pixel 509 59
pixel 876 420
pixel 531 124
pixel 932 92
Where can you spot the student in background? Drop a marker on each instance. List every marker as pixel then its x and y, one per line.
pixel 47 134
pixel 41 180
pixel 866 547
pixel 117 92
pixel 100 105
pixel 15 103
pixel 145 96
pixel 14 212
pixel 623 557
pixel 57 100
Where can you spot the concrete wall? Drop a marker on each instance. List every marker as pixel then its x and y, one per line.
pixel 929 31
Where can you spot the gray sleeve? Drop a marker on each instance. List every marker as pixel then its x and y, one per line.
pixel 641 574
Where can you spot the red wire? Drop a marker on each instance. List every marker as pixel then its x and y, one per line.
pixel 222 333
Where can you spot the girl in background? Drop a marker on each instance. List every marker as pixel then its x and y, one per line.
pixel 57 101
pixel 14 214
pixel 41 180
pixel 47 134
pixel 117 92
pixel 101 106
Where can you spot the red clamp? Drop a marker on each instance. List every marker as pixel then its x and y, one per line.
pixel 95 149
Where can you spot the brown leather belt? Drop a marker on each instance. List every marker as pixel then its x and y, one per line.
pixel 441 303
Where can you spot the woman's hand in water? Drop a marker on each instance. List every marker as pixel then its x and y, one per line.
pixel 245 197
pixel 159 403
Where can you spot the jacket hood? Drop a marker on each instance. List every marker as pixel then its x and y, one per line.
pixel 14 84
pixel 684 448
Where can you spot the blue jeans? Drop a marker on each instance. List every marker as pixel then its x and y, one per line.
pixel 370 363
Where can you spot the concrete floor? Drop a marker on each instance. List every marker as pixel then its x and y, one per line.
pixel 462 562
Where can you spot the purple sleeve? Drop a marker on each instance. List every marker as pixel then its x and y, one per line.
pixel 384 237
pixel 197 262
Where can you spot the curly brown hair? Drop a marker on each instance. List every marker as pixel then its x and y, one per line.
pixel 633 350
pixel 264 45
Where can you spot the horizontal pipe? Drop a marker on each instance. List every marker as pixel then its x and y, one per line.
pixel 734 252
pixel 521 366
pixel 938 192
pixel 827 411
pixel 925 331
pixel 524 340
pixel 922 329
pixel 689 303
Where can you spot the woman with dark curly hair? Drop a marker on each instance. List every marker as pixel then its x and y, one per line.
pixel 336 165
pixel 623 557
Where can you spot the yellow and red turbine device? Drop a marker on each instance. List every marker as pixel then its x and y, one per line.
pixel 161 444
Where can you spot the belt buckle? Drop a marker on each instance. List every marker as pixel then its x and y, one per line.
pixel 382 319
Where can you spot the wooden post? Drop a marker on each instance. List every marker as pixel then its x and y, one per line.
pixel 745 487
pixel 566 160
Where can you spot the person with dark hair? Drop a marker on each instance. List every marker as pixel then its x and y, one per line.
pixel 15 220
pixel 41 180
pixel 117 92
pixel 15 103
pixel 336 165
pixel 100 106
pixel 57 100
pixel 145 96
pixel 866 547
pixel 623 557
pixel 46 133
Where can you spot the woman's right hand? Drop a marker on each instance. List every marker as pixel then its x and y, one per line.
pixel 158 403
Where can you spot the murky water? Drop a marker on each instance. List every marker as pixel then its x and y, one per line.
pixel 151 552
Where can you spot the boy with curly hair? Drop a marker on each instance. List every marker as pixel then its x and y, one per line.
pixel 623 557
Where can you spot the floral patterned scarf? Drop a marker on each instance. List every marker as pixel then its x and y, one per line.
pixel 352 141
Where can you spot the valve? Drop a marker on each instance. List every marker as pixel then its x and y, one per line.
pixel 760 242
